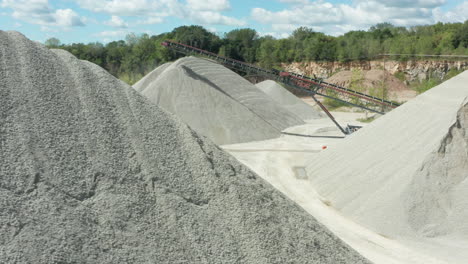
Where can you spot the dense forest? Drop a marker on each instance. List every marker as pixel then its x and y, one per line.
pixel 135 56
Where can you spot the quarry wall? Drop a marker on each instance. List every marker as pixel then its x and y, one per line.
pixel 414 70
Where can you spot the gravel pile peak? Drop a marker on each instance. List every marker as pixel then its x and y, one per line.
pixel 216 102
pixel 92 172
pixel 288 100
pixel 150 77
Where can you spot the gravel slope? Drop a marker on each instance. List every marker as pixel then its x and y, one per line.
pixel 288 100
pixel 91 172
pixel 150 77
pixel 217 103
pixel 405 174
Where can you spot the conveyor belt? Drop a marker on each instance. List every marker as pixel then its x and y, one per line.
pixel 310 85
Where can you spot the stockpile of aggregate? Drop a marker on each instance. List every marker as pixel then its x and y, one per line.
pixel 288 100
pixel 217 103
pixel 150 77
pixel 91 172
pixel 405 174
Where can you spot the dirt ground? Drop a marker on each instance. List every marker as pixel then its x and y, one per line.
pixel 372 81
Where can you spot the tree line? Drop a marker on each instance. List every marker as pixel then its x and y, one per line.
pixel 135 56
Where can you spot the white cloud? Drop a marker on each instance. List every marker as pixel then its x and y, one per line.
pixel 143 7
pixel 206 12
pixel 274 34
pixel 283 27
pixel 212 30
pixel 48 29
pixel 294 1
pixel 409 3
pixel 151 21
pixel 322 13
pixel 117 22
pixel 111 33
pixel 67 18
pixel 40 12
pixel 208 5
pixel 459 14
pixel 215 18
pixel 337 19
pixel 122 7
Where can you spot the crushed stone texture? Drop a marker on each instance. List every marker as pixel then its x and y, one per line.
pixel 405 174
pixel 92 172
pixel 288 100
pixel 150 77
pixel 216 102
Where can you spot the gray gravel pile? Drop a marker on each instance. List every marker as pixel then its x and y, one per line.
pixel 288 100
pixel 405 174
pixel 91 172
pixel 216 102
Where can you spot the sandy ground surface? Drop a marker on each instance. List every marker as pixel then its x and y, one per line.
pixel 282 163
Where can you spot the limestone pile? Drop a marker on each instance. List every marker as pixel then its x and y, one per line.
pixel 216 102
pixel 405 174
pixel 92 172
pixel 288 100
pixel 150 77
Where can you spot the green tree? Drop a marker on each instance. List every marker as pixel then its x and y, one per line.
pixel 243 44
pixel 139 53
pixel 265 54
pixel 52 43
pixel 196 36
pixel 460 38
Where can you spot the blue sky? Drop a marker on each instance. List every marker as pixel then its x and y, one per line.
pixel 107 20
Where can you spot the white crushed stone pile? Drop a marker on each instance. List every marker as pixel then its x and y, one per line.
pixel 405 174
pixel 288 100
pixel 217 103
pixel 150 77
pixel 92 172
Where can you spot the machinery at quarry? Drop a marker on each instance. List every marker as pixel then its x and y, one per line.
pixel 310 85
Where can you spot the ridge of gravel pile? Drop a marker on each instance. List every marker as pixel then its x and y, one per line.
pixel 288 100
pixel 150 77
pixel 217 103
pixel 405 174
pixel 92 172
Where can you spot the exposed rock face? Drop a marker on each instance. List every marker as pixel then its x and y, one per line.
pixel 92 172
pixel 374 82
pixel 414 70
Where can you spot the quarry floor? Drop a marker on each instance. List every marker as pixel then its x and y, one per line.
pixel 282 163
